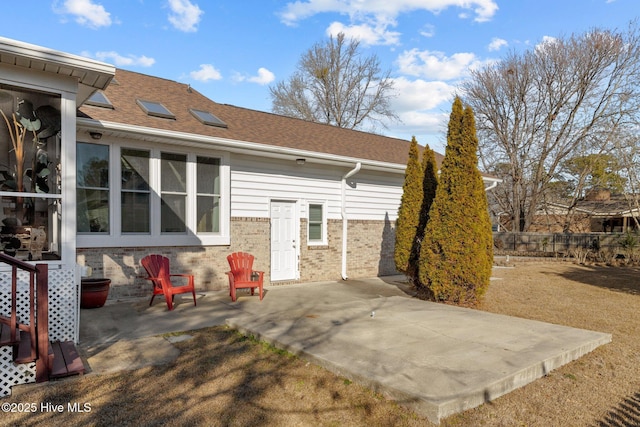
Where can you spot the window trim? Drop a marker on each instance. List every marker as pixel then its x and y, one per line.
pixel 115 238
pixel 323 240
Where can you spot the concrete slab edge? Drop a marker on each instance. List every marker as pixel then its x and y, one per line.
pixel 434 412
pixel 519 379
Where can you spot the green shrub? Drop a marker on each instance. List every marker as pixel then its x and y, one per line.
pixel 409 210
pixel 456 255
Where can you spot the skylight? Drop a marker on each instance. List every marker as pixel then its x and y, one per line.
pixel 99 99
pixel 155 109
pixel 207 118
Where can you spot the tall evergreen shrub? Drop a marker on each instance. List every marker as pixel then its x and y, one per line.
pixel 429 185
pixel 457 251
pixel 409 210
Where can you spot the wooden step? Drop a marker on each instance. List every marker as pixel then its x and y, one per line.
pixel 5 335
pixel 66 360
pixel 22 350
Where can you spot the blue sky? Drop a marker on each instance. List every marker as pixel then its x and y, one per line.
pixel 232 50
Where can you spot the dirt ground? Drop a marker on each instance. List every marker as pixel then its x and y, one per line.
pixel 224 379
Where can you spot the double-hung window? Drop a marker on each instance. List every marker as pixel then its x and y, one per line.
pixel 317 224
pixel 92 198
pixel 173 211
pixel 135 193
pixel 208 195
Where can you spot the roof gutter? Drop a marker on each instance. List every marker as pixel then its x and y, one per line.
pixel 234 146
pixel 345 221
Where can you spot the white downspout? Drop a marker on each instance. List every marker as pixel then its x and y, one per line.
pixel 343 213
pixel 492 186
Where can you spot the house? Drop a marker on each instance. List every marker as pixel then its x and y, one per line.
pixel 101 166
pixel 196 180
pixel 117 164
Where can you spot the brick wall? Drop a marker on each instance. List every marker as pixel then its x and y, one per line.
pixel 370 253
pixel 318 263
pixel 371 246
pixel 207 263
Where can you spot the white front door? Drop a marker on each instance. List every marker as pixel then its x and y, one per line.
pixel 284 256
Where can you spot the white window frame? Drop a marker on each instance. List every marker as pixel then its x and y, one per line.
pixel 323 240
pixel 115 238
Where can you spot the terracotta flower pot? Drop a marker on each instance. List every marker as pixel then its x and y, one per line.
pixel 94 292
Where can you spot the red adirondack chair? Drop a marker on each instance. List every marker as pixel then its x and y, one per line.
pixel 242 274
pixel 157 267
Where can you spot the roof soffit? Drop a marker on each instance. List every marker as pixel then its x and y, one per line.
pixel 90 74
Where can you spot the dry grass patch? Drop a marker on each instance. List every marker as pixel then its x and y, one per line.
pixel 221 378
pixel 599 389
pixel 224 379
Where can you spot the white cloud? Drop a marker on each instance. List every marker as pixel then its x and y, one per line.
pixel 428 30
pixel 423 107
pixel 205 73
pixel 497 44
pixel 382 9
pixel 122 61
pixel 264 77
pixel 184 15
pixel 367 34
pixel 436 65
pixel 87 13
pixel 420 95
pixel 547 41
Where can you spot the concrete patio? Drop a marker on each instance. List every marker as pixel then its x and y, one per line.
pixel 434 358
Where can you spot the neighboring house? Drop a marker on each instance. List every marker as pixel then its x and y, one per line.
pixel 598 212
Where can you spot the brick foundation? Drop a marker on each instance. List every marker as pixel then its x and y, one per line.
pixel 370 254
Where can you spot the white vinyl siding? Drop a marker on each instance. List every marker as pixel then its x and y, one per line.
pixel 255 181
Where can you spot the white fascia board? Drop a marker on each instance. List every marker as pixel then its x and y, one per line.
pixel 235 146
pixel 63 59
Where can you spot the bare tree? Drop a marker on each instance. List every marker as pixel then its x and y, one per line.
pixel 336 85
pixel 627 152
pixel 567 97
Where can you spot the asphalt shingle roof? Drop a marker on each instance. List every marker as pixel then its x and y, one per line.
pixel 242 124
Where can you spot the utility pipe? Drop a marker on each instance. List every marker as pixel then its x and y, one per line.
pixel 492 186
pixel 343 213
